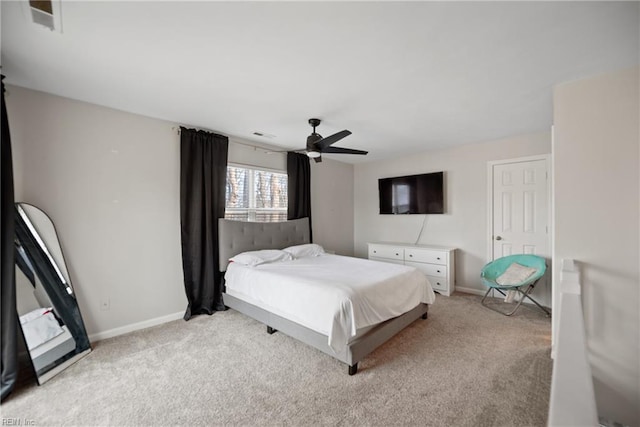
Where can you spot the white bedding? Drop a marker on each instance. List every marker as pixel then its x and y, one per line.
pixel 331 294
pixel 39 326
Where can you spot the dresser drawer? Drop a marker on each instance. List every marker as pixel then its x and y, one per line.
pixel 425 255
pixel 439 284
pixel 437 263
pixel 430 269
pixel 388 252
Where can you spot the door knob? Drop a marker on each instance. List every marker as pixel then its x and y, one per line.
pixel 498 238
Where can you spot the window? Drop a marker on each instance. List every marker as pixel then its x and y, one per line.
pixel 255 195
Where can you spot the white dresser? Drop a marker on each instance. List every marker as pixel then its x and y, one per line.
pixel 436 262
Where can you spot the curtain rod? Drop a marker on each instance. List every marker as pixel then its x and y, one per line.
pixel 176 129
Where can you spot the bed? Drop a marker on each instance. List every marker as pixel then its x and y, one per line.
pixel 345 307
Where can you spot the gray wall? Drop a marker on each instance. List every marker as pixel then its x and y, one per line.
pixel 332 205
pixel 597 222
pixel 110 182
pixel 464 224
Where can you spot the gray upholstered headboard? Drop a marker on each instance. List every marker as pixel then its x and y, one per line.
pixel 237 236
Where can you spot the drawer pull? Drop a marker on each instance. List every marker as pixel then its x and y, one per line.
pixel 438 271
pixel 397 254
pixel 410 255
pixel 438 258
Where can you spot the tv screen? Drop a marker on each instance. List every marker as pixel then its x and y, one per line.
pixel 414 194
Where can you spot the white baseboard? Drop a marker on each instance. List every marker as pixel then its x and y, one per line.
pixel 135 327
pixel 471 290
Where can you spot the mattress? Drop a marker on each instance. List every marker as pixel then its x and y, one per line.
pixel 333 295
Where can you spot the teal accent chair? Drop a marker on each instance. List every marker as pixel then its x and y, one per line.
pixel 490 273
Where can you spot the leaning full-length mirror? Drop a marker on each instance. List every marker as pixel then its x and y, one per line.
pixel 50 319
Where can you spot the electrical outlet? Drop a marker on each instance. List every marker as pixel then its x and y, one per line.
pixel 105 304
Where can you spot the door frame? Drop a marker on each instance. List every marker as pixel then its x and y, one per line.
pixel 490 195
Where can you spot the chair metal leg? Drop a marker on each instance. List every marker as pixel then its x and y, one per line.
pixel 517 305
pixel 489 306
pixel 524 295
pixel 487 293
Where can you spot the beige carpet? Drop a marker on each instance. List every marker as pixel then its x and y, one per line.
pixel 464 366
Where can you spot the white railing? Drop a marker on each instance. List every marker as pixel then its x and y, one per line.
pixel 572 400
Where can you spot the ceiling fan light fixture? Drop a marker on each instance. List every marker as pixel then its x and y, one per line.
pixel 313 154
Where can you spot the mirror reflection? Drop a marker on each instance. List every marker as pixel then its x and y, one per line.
pixel 50 319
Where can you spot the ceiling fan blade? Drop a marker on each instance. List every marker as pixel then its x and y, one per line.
pixel 317 159
pixel 325 142
pixel 339 150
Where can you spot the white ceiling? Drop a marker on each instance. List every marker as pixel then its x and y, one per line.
pixel 403 77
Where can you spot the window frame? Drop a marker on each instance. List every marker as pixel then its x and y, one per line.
pixel 252 209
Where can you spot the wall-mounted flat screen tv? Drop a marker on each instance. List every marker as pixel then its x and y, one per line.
pixel 413 194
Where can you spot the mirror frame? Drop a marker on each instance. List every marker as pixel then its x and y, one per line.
pixel 34 247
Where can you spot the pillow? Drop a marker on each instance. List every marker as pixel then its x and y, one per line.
pixel 515 274
pixel 307 250
pixel 254 258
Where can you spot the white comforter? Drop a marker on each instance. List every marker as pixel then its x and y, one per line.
pixel 331 294
pixel 39 326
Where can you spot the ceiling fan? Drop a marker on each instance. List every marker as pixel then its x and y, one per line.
pixel 316 144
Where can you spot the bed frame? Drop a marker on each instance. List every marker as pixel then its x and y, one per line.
pixel 236 237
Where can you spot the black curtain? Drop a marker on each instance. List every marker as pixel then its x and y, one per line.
pixel 299 187
pixel 203 174
pixel 9 313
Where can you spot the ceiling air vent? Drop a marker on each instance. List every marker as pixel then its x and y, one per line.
pixel 46 13
pixel 265 135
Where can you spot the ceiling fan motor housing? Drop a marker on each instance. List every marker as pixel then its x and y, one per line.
pixel 311 140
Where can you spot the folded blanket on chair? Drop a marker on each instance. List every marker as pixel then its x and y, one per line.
pixel 515 274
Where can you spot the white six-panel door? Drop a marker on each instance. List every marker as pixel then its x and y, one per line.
pixel 520 209
pixel 520 213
